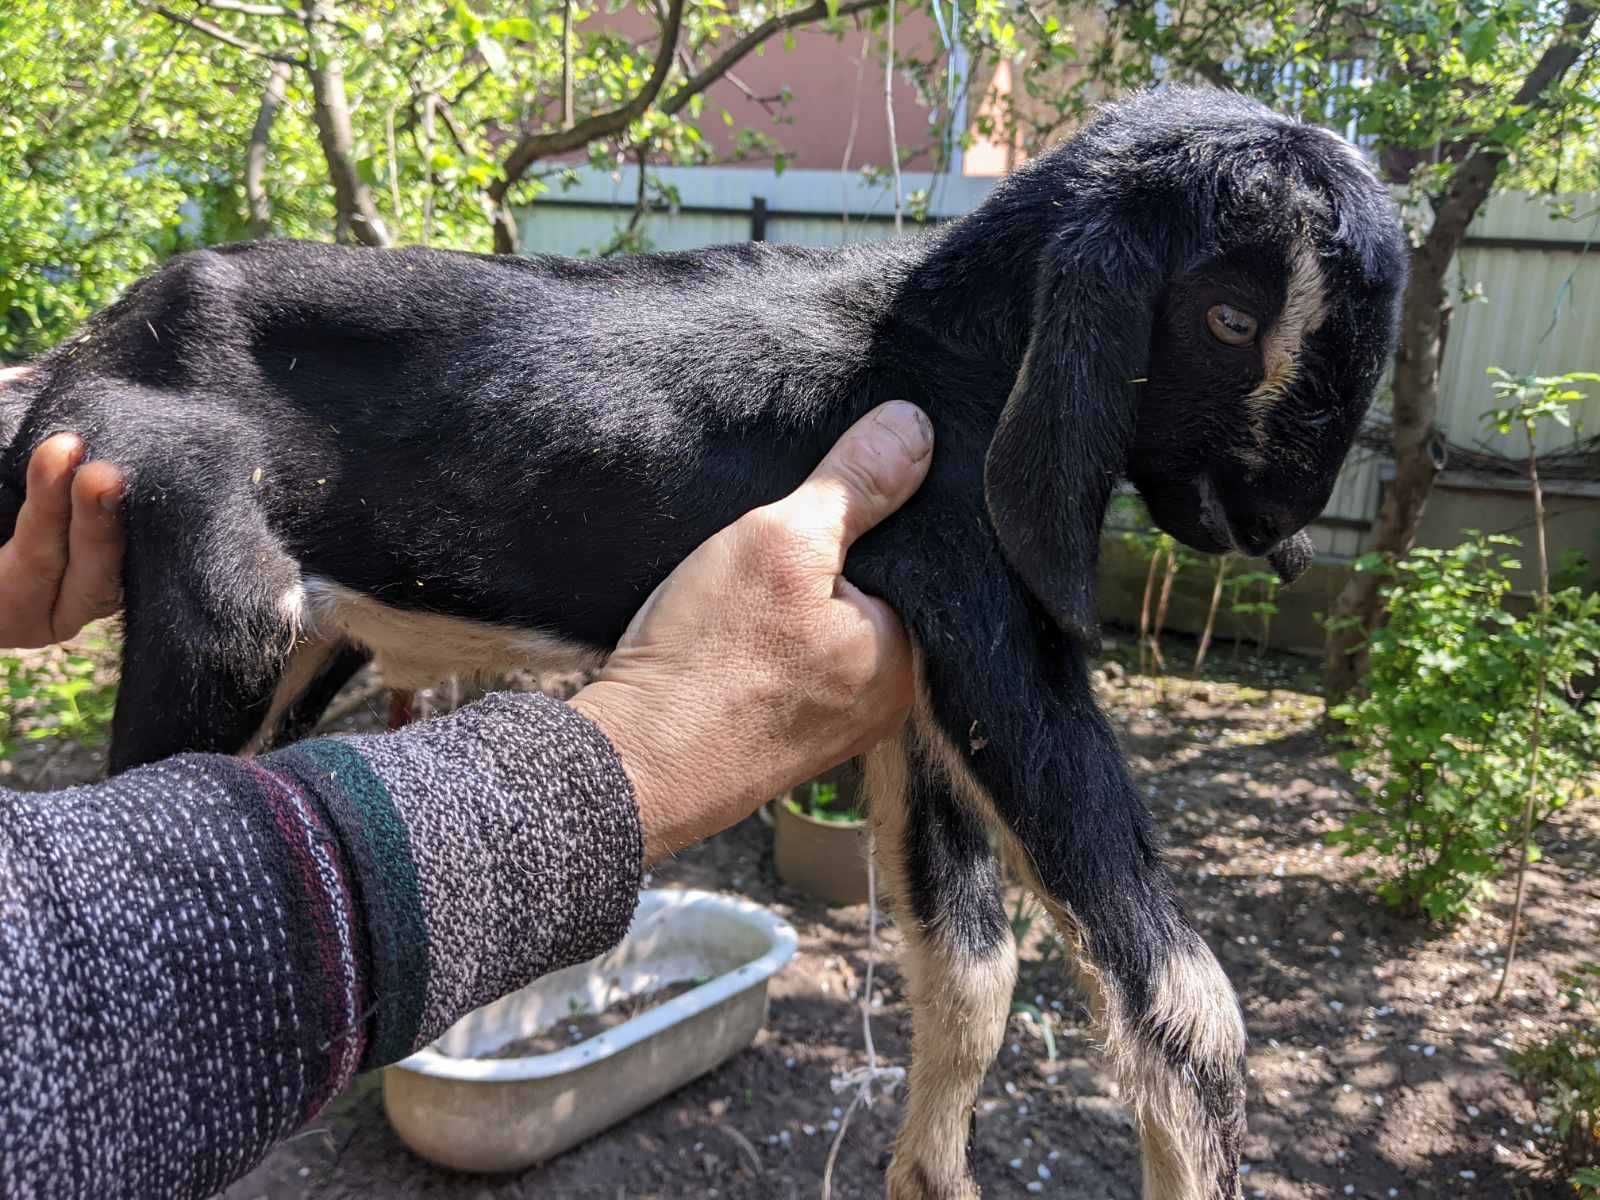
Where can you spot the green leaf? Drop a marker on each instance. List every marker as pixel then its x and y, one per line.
pixel 1478 38
pixel 494 54
pixel 469 22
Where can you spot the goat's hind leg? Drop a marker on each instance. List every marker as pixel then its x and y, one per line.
pixel 959 958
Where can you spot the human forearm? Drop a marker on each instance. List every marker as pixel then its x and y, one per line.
pixel 196 956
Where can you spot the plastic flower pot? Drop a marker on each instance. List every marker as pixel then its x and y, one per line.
pixel 818 847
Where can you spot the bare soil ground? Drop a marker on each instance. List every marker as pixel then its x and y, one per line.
pixel 1377 1062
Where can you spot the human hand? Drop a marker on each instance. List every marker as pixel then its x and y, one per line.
pixel 756 665
pixel 62 567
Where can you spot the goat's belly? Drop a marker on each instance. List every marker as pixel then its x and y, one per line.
pixel 417 650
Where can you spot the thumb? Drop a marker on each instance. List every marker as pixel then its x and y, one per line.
pixel 870 472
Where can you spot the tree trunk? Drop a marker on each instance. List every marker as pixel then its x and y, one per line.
pixel 255 162
pixel 1423 318
pixel 356 216
pixel 1416 407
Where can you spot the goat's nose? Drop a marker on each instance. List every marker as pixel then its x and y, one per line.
pixel 1261 527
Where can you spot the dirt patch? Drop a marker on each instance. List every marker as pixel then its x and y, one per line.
pixel 1377 1060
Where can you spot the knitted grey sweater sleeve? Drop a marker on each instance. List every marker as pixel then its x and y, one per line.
pixel 196 956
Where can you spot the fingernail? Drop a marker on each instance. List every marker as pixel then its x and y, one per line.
pixel 72 444
pixel 910 427
pixel 111 500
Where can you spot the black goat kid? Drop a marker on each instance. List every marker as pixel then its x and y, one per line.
pixel 463 463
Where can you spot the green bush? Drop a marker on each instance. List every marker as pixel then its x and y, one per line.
pixel 1564 1073
pixel 1442 738
pixel 61 694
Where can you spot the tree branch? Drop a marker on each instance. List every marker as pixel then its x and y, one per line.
pixel 201 25
pixel 531 147
pixel 255 160
pixel 356 216
pixel 730 57
pixel 1472 181
pixel 253 10
pixel 567 118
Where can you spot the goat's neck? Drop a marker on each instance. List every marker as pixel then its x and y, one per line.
pixel 972 287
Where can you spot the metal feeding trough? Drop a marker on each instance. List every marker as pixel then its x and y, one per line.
pixel 459 1105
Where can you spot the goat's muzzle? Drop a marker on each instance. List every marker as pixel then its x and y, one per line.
pixel 1291 557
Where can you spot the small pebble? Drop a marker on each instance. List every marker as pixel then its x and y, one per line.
pixel 1016 1164
pixel 1044 1171
pixel 1349 1189
pixel 789 1062
pixel 808 1130
pixel 1011 1088
pixel 1035 1187
pixel 1467 1174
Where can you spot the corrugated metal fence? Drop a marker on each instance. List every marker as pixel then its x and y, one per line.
pixel 1539 282
pixel 1538 277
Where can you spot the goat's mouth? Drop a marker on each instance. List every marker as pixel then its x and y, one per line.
pixel 1290 557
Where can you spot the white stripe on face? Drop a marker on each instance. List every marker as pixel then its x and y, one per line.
pixel 1305 308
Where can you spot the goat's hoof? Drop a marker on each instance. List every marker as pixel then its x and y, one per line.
pixel 911 1180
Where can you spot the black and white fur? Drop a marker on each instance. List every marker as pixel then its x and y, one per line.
pixel 457 462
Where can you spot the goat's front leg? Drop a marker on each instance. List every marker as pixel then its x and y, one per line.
pixel 1022 739
pixel 959 958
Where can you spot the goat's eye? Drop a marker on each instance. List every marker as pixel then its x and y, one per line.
pixel 1231 326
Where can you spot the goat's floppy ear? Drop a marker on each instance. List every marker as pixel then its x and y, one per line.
pixel 1064 435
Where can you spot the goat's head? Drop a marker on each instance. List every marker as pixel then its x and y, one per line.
pixel 1216 301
